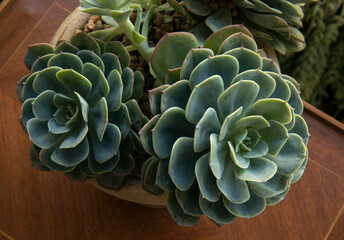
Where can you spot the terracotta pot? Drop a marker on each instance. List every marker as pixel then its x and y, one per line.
pixel 132 191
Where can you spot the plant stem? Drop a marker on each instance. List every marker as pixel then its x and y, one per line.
pixel 137 40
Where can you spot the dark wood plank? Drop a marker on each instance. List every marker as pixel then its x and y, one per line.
pixel 338 229
pixel 68 4
pixel 326 143
pixel 38 205
pixel 17 22
pixel 14 69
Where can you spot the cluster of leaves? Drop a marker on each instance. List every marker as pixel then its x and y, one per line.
pixel 80 110
pixel 319 68
pixel 227 136
pixel 275 22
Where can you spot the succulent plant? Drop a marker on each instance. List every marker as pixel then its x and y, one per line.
pixel 227 137
pixel 275 22
pixel 79 103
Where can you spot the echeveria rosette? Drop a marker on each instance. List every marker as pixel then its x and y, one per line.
pixel 276 22
pixel 79 104
pixel 227 136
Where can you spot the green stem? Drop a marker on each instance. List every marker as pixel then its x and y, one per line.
pixel 137 40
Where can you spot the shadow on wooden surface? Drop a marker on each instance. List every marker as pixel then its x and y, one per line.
pixel 38 205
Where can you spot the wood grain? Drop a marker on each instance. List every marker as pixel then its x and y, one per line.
pixel 39 205
pixel 4 5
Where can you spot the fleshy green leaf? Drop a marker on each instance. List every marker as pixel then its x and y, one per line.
pixel 75 136
pixel 274 186
pixel 118 49
pixel 171 51
pixel 176 95
pixel 43 106
pixel 100 87
pixel 114 98
pixel 69 157
pixel 241 94
pixel 75 82
pixel 128 83
pixel 39 134
pixel 253 207
pixel 146 134
pixel 154 96
pixel 83 42
pixel 98 118
pixel 194 57
pixel 275 136
pixel 265 81
pixel 233 188
pixel 259 170
pixel 216 211
pixel 35 51
pixel 291 156
pixel 188 200
pixel 208 124
pixel 247 59
pixel 203 96
pixel 134 113
pixel 171 126
pixel 111 62
pixel 107 148
pixel 178 214
pixel 163 179
pixel 238 159
pixel 271 109
pixel 238 40
pixel 66 61
pixel 206 180
pixel 218 153
pixel 223 65
pixel 182 163
pixel 300 128
pixel 217 38
pixel 121 119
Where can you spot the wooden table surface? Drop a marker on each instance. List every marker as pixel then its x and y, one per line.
pixel 37 205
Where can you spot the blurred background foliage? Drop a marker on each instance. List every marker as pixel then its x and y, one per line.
pixel 320 67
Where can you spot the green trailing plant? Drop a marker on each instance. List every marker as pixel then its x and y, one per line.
pixel 78 105
pixel 319 68
pixel 227 137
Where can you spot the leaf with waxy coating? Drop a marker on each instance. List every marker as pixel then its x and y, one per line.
pixel 176 95
pixel 198 104
pixel 247 59
pixel 178 214
pixel 291 156
pixel 216 211
pixel 206 180
pixel 70 157
pixel 208 124
pixel 182 163
pixel 233 188
pixel 239 95
pixel 223 65
pixel 251 208
pixel 171 51
pixel 188 200
pixel 171 126
pixel 259 170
